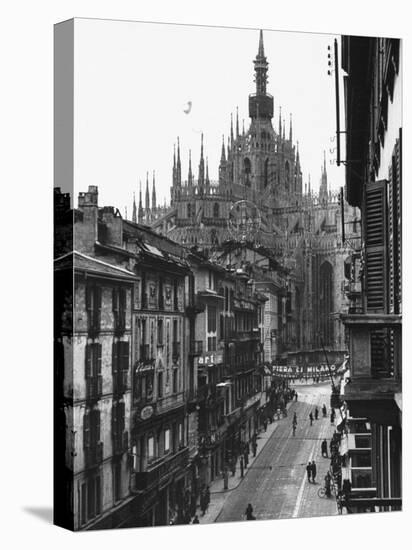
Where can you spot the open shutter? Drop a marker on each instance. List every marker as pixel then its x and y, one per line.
pixel 375 220
pixel 88 363
pixel 86 431
pixel 122 292
pixel 115 365
pixel 99 368
pixel 97 305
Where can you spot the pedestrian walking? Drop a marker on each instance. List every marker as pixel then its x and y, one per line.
pixel 324 411
pixel 295 418
pixel 207 497
pixel 332 417
pixel 265 424
pixel 254 447
pixel 324 448
pixel 249 512
pixel 328 480
pixel 313 472
pixel 294 428
pixel 296 395
pixel 242 466
pixel 203 505
pixel 311 418
pixel 316 413
pixel 309 471
pixel 246 459
pixel 196 519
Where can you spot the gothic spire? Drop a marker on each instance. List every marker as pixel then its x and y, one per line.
pixel 284 126
pixel 154 193
pixel 223 155
pixel 280 122
pixel 147 197
pixel 190 175
pixel 290 128
pixel 201 177
pixel 178 165
pixel 237 122
pixel 261 68
pixel 134 215
pixel 140 212
pixel 243 126
pixel 231 128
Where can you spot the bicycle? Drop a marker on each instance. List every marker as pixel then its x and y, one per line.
pixel 322 491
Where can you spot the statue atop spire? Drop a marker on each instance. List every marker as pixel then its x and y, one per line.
pixel 223 155
pixel 147 197
pixel 323 188
pixel 140 212
pixel 190 174
pixel 201 176
pixel 178 166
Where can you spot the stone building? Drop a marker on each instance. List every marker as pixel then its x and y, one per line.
pixel 372 385
pixel 127 436
pixel 260 198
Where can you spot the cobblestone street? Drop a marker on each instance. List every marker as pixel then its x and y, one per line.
pixel 275 482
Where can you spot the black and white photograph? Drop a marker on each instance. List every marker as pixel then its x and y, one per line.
pixel 227 274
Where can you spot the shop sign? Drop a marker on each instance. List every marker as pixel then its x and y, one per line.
pixel 212 358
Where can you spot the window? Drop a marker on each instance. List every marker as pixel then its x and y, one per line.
pixel 216 210
pixel 174 381
pixel 120 366
pixel 212 280
pixel 119 308
pixel 150 447
pixel 211 318
pixel 93 307
pixel 167 440
pixel 117 481
pixel 93 371
pixel 160 384
pixel 90 500
pixel 118 427
pixel 211 343
pixel 160 332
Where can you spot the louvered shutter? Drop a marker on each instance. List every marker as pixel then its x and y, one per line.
pixel 122 307
pixel 115 364
pixel 99 368
pixel 86 431
pixel 97 305
pixel 89 363
pixel 375 223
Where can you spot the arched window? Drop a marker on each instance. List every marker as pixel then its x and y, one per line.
pixel 266 173
pixel 326 303
pixel 247 168
pixel 216 210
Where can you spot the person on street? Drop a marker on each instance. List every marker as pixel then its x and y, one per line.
pixel 332 417
pixel 249 512
pixel 254 447
pixel 313 470
pixel 328 479
pixel 324 448
pixel 293 429
pixel 296 395
pixel 203 506
pixel 295 418
pixel 196 519
pixel 309 471
pixel 324 411
pixel 246 458
pixel 316 413
pixel 311 418
pixel 265 424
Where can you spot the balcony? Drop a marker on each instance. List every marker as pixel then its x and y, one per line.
pixel 120 443
pixel 161 470
pixel 94 386
pixel 375 356
pixel 196 348
pixel 93 455
pixel 166 404
pixel 195 306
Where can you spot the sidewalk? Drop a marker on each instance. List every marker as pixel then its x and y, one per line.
pixel 219 495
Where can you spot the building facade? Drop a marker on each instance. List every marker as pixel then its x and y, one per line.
pixel 373 382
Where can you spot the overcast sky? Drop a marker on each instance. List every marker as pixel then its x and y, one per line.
pixel 133 81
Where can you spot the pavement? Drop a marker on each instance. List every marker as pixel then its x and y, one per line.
pixel 275 482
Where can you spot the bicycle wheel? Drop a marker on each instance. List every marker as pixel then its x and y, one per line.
pixel 321 492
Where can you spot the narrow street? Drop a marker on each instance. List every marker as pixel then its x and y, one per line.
pixel 276 484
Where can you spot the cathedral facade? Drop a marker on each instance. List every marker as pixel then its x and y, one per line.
pixel 260 199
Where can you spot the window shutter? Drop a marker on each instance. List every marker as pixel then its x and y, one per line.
pixel 114 421
pixel 122 415
pixel 375 221
pixel 97 425
pixel 86 431
pixel 89 366
pixel 123 307
pixel 88 298
pixel 115 357
pixel 98 304
pixel 115 299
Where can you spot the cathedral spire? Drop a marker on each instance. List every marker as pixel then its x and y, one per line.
pixel 154 193
pixel 290 128
pixel 140 214
pixel 231 128
pixel 243 126
pixel 178 165
pixel 134 215
pixel 147 197
pixel 201 176
pixel 223 155
pixel 237 122
pixel 284 126
pixel 190 174
pixel 323 189
pixel 261 68
pixel 280 122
